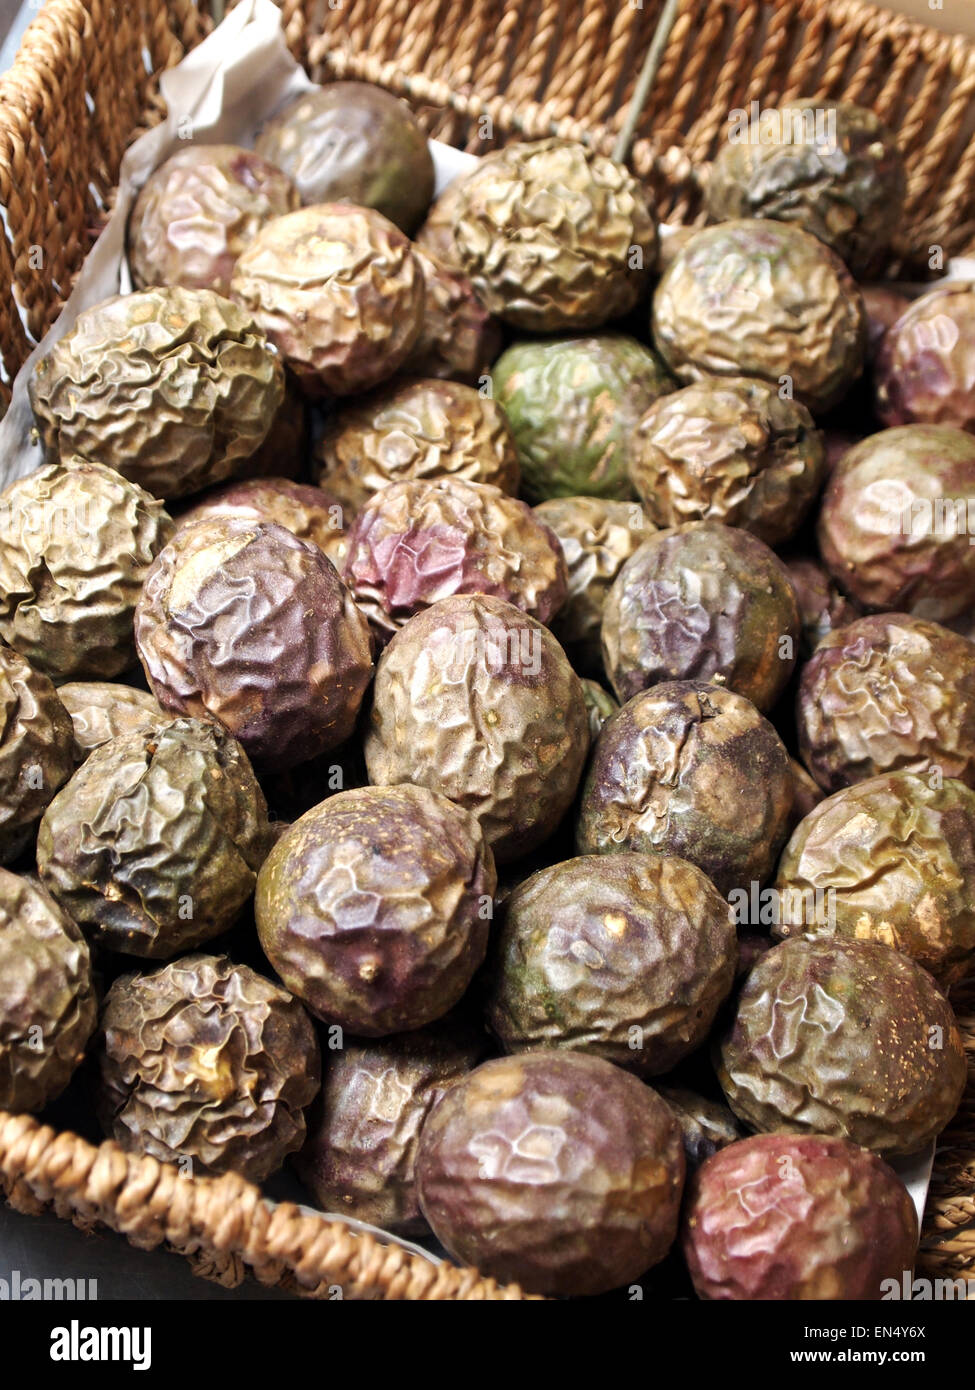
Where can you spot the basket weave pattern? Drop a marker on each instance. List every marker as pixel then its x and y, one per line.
pixel 86 83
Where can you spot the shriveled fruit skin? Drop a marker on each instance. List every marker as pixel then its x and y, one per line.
pixel 76 543
pixel 553 235
pixel 101 711
pixel 823 606
pixel 47 999
pixel 925 369
pixel 843 1038
pixel 893 529
pixel 153 846
pixel 459 339
pixel 797 1217
pixel 207 1061
pixel 692 770
pixel 600 705
pixel 374 907
pixel 416 429
pixel 353 142
pixel 243 623
pixel 339 293
pixel 573 403
pixel 173 388
pixel 698 602
pixel 198 211
pixel 309 513
pixel 573 966
pixel 477 700
pixel 37 750
pixel 730 450
pixel 888 692
pixel 762 299
pixel 416 542
pixel 847 188
pixel 597 537
pixel 893 860
pixel 555 1170
pixel 884 305
pixel 436 234
pixel 706 1125
pixel 359 1158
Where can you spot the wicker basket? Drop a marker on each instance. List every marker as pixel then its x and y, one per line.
pixel 651 80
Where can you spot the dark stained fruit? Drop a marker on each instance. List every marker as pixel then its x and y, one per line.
pixel 47 1000
pixel 730 450
pixel 208 1065
pixel 173 388
pixel 843 1038
pixel 198 211
pixel 555 1170
pixel 692 770
pixel 706 1125
pixel 243 623
pixel 154 844
pixel 762 299
pixel 702 601
pixel 352 142
pixel 822 604
pixel 477 700
pixel 622 956
pixel 416 542
pixel 888 692
pixel 797 1217
pixel 458 339
pixel 925 369
pixel 574 403
pixel 339 293
pixel 890 859
pixel 894 529
pixel 37 750
pixel 102 710
pixel 76 543
pixel 806 793
pixel 374 907
pixel 360 1155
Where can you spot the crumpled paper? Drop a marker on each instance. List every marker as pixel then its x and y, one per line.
pixel 223 92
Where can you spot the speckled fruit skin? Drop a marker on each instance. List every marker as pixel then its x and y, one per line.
pixel 925 369
pixel 154 844
pixel 706 1125
pixel 728 450
pixel 47 999
pixel 459 339
pixel 416 542
pixel 360 1155
pixel 845 1038
pixel 477 700
pixel 899 856
pixel 823 607
pixel 600 705
pixel 554 236
pixel 597 537
pixel 573 965
pixel 573 404
pixel 554 1170
pixel 374 907
pixel 102 710
pixel 245 624
pixel 881 530
pixel 339 293
pixel 207 1061
pixel 847 190
pixel 352 142
pixel 76 543
pixel 173 388
pixel 37 750
pixel 797 1217
pixel 309 513
pixel 888 692
pixel 762 299
pixel 198 211
pixel 416 429
pixel 698 602
pixel 692 770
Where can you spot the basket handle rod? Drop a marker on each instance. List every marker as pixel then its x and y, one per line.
pixel 644 83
